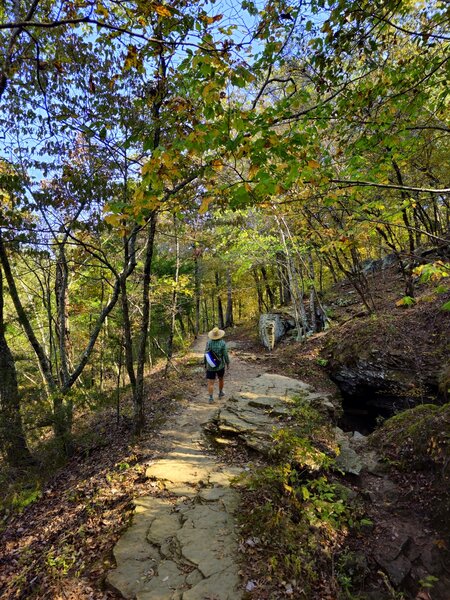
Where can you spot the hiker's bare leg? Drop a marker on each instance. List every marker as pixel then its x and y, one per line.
pixel 220 384
pixel 211 386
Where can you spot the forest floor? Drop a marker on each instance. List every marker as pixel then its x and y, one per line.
pixel 58 542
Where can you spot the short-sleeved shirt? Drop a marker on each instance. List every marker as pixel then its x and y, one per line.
pixel 220 348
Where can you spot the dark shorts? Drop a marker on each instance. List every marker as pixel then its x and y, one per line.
pixel 212 374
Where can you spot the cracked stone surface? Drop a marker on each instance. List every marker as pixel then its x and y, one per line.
pixel 182 544
pixel 252 414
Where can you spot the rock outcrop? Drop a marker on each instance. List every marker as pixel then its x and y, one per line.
pixel 251 416
pixel 273 326
pixel 390 362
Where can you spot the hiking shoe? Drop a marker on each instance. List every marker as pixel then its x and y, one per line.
pixel 221 394
pixel 211 400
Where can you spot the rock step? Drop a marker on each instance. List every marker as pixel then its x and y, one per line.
pixel 182 547
pixel 252 415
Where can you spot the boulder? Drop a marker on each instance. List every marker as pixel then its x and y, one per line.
pixel 370 266
pixel 273 326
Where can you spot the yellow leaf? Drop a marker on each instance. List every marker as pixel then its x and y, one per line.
pixel 102 10
pixel 114 220
pixel 210 20
pixel 163 11
pixel 138 195
pixel 252 171
pixel 313 164
pixel 217 164
pixel 149 165
pixel 209 87
pixel 131 59
pixel 205 204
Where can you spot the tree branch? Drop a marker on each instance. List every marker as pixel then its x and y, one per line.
pixel 390 186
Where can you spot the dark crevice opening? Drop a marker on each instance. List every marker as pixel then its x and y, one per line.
pixel 364 413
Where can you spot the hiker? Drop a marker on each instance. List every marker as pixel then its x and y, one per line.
pixel 216 357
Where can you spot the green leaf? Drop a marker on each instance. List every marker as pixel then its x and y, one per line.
pixel 406 301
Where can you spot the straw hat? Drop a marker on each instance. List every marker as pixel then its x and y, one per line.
pixel 216 334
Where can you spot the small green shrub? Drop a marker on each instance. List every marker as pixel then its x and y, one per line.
pixel 24 498
pixel 322 362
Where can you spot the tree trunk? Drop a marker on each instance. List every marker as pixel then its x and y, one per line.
pixel 312 295
pixel 12 437
pixel 269 293
pixel 205 315
pixel 62 318
pixel 138 396
pixel 408 270
pixel 44 362
pixel 258 290
pixel 285 291
pixel 174 309
pixel 229 322
pixel 197 291
pixel 219 303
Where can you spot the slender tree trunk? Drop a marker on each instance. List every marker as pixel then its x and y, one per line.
pixel 312 294
pixel 191 326
pixel 12 438
pixel 179 318
pixel 213 320
pixel 269 293
pixel 102 342
pixel 174 309
pixel 61 293
pixel 24 321
pixel 197 291
pixel 258 290
pixel 219 303
pixel 138 396
pixel 293 284
pixel 294 276
pixel 119 376
pixel 285 290
pixel 205 315
pixel 127 335
pixel 408 271
pixel 229 321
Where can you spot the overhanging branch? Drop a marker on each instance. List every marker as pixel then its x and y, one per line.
pixel 389 186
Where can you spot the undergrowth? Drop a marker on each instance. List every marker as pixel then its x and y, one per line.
pixel 296 515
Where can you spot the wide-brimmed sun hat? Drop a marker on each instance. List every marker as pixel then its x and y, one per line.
pixel 216 334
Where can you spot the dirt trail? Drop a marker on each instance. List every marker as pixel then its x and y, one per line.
pixel 182 543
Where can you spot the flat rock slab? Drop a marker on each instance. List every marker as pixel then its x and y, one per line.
pixel 253 414
pixel 180 546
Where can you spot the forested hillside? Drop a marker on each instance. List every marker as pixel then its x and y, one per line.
pixel 168 167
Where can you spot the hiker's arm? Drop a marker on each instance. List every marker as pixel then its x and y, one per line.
pixel 225 356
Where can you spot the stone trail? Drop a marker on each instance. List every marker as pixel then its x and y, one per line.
pixel 182 544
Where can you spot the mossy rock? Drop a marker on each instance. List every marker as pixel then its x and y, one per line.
pixel 418 437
